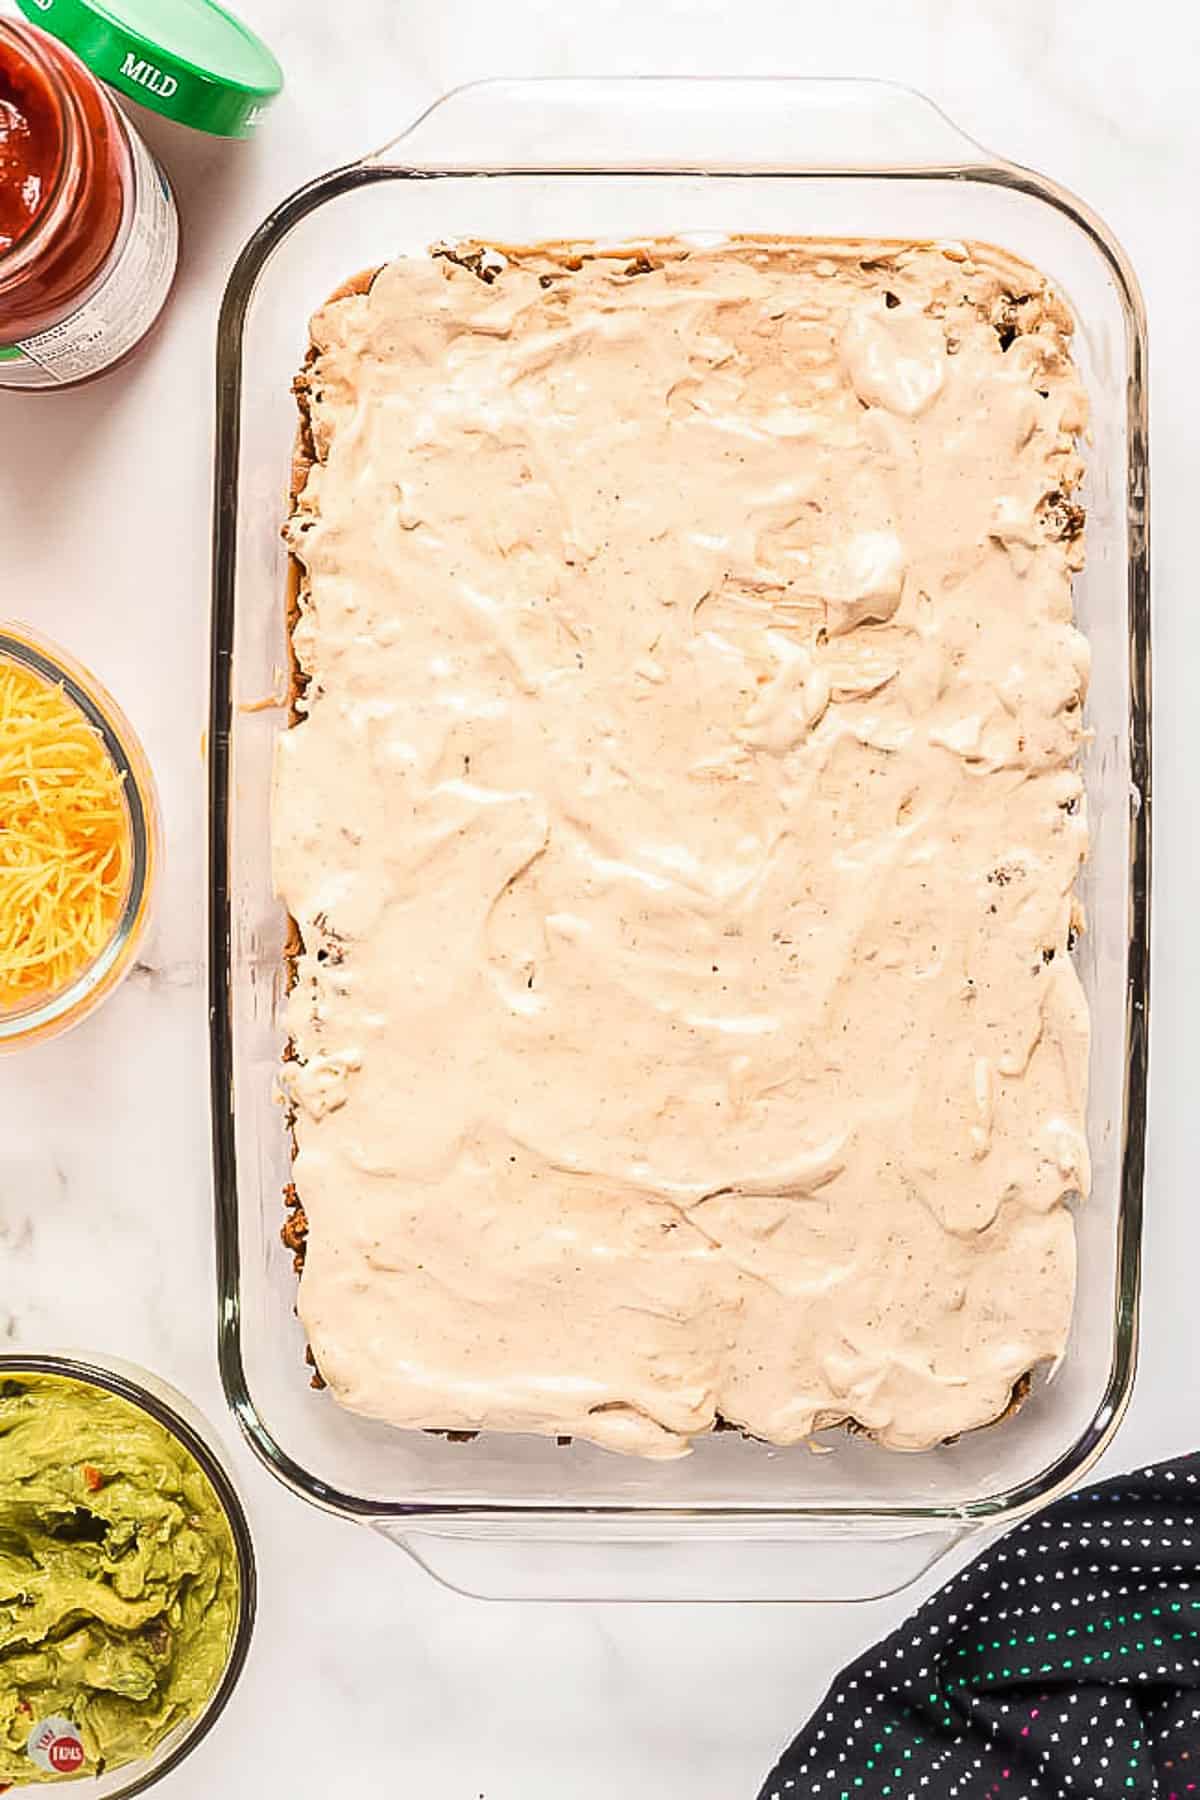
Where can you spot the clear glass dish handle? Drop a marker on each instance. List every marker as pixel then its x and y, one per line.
pixel 495 1560
pixel 700 123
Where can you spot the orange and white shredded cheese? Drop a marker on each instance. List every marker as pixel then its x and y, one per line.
pixel 65 844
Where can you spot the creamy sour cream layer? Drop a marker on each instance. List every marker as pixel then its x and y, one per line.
pixel 681 825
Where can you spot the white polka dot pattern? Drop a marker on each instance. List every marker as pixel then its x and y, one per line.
pixel 996 1691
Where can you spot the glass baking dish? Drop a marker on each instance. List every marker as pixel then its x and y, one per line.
pixel 515 162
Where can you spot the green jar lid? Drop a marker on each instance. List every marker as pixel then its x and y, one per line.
pixel 188 59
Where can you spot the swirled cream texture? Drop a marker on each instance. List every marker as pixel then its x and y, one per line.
pixel 681 823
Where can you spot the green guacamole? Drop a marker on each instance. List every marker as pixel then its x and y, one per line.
pixel 118 1576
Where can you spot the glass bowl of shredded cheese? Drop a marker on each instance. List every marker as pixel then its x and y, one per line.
pixel 78 840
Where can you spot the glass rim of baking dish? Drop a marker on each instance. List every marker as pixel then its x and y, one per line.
pixel 64 1006
pixel 120 1378
pixel 388 164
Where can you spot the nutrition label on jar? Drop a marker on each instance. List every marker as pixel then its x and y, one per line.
pixel 125 304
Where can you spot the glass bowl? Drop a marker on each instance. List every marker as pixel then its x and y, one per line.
pixel 175 1414
pixel 58 1010
pixel 518 162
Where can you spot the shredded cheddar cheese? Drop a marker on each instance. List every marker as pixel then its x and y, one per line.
pixel 65 845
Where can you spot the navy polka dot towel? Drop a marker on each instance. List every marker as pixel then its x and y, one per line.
pixel 1065 1661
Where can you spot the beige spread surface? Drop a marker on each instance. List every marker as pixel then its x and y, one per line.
pixel 682 830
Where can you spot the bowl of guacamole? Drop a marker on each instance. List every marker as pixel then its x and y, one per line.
pixel 126 1578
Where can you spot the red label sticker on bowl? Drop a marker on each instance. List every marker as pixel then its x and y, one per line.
pixel 56 1746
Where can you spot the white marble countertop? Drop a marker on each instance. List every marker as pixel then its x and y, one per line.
pixel 105 1208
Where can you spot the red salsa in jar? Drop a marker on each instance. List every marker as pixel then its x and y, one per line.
pixel 31 145
pixel 88 232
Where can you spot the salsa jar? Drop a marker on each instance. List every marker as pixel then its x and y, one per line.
pixel 88 228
